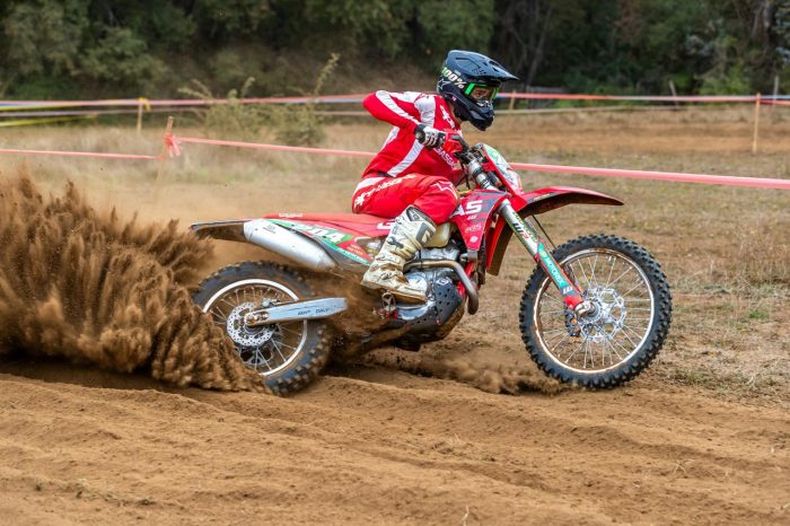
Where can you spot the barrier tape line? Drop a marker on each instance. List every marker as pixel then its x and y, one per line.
pixel 173 145
pixel 44 120
pixel 677 177
pixel 99 155
pixel 12 105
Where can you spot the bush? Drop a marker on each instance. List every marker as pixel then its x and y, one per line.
pixel 301 125
pixel 228 116
pixel 292 124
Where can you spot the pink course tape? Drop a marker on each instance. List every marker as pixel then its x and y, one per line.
pixel 99 155
pixel 175 141
pixel 679 177
pixel 173 144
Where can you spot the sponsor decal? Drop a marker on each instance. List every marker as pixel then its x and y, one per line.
pixel 334 239
pixel 329 234
pixel 475 206
pixel 553 269
pixel 451 161
pixel 453 77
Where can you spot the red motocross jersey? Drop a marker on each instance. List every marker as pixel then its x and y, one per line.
pixel 401 153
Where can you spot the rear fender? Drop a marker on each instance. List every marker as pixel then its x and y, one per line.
pixel 275 238
pixel 538 202
pixel 226 230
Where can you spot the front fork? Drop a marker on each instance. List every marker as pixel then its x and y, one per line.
pixel 529 237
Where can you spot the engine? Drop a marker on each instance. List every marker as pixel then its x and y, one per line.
pixel 428 321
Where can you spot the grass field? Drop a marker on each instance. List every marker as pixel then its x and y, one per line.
pixel 701 436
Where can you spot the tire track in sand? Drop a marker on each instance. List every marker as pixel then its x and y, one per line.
pixel 350 450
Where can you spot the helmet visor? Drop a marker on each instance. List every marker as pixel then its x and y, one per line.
pixel 481 92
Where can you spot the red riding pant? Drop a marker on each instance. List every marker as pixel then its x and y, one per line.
pixel 389 196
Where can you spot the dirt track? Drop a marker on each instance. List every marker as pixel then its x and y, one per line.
pixel 377 445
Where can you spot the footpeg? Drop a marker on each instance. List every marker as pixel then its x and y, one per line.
pixel 389 306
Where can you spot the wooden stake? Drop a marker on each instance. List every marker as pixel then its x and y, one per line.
pixel 776 94
pixel 673 91
pixel 512 103
pixel 756 122
pixel 163 153
pixel 142 104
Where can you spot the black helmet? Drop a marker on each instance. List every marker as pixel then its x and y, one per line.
pixel 469 82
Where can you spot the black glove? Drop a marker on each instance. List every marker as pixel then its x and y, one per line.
pixel 429 137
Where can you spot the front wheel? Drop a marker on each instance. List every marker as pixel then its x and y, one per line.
pixel 625 331
pixel 288 355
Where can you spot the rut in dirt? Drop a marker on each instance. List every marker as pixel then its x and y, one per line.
pixel 83 285
pixel 491 378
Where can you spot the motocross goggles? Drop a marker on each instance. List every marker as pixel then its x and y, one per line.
pixel 481 92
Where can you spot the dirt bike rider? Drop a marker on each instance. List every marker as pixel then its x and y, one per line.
pixel 413 176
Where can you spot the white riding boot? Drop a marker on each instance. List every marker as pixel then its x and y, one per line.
pixel 412 229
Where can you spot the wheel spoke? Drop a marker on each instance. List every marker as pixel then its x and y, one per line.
pixel 629 269
pixel 268 348
pixel 592 269
pixel 612 334
pixel 614 349
pixel 581 267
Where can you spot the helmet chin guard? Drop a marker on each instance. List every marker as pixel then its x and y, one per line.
pixel 469 82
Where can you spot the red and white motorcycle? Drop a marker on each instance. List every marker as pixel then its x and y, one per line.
pixel 595 311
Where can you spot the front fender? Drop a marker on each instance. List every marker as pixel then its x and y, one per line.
pixel 538 202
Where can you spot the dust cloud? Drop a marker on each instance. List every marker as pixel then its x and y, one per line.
pixel 496 379
pixel 85 286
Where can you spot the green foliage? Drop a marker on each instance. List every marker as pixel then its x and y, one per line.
pixel 456 24
pixel 44 35
pixel 120 56
pixel 376 23
pixel 301 125
pixel 124 47
pixel 231 117
pixel 228 116
pixel 223 18
pixel 731 81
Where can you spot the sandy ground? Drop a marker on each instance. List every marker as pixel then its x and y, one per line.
pixel 700 438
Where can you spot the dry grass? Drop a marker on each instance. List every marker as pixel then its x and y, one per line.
pixel 725 250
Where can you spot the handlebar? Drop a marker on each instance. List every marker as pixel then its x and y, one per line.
pixel 460 140
pixel 419 134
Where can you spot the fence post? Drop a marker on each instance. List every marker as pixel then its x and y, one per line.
pixel 756 122
pixel 142 104
pixel 776 95
pixel 673 91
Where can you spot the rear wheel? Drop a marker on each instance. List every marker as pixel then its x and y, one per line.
pixel 633 309
pixel 287 355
